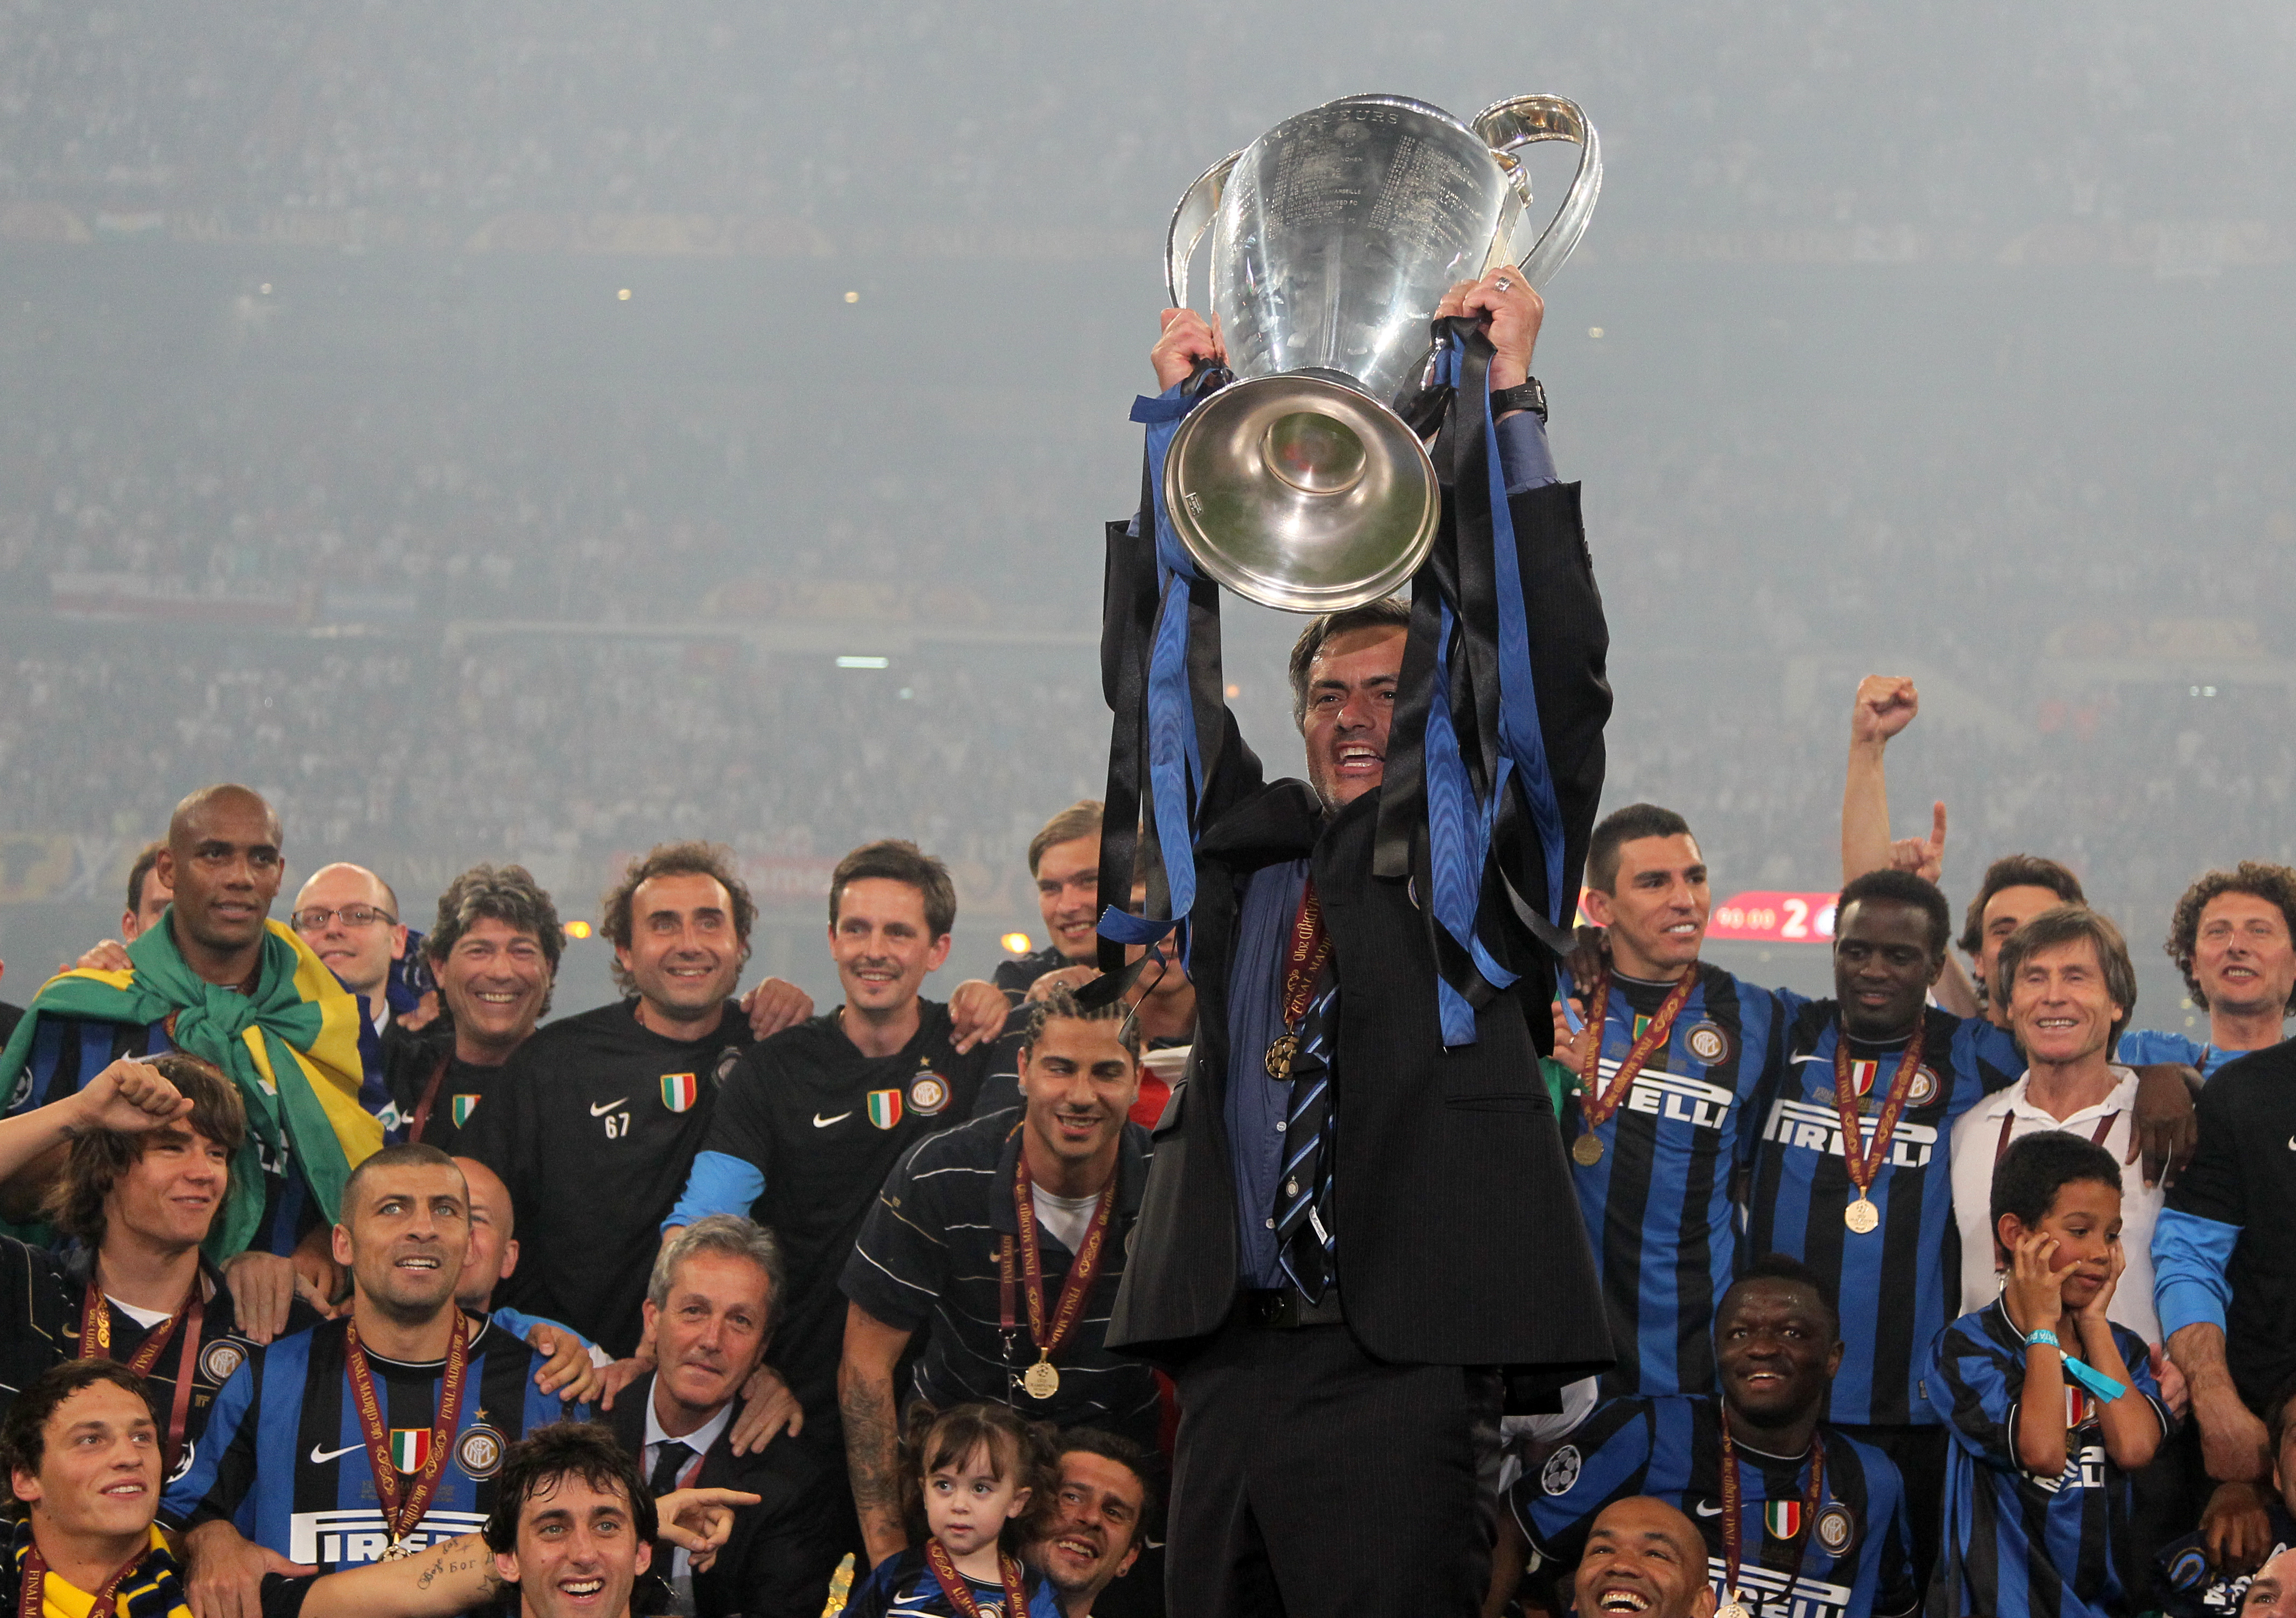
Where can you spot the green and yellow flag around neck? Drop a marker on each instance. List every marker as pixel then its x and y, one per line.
pixel 292 1047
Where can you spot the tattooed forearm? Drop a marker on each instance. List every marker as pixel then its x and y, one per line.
pixel 873 1458
pixel 464 1562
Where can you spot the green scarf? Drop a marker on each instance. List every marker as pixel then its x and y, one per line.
pixel 291 1046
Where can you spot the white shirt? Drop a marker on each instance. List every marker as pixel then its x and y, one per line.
pixel 1977 1145
pixel 1068 1217
pixel 681 1561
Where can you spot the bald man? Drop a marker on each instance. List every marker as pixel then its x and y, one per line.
pixel 2272 1593
pixel 349 916
pixel 217 970
pixel 1644 1559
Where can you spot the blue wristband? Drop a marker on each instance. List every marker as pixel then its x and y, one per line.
pixel 2097 1382
pixel 2043 1334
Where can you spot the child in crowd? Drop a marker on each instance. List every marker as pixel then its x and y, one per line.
pixel 2048 1420
pixel 981 1483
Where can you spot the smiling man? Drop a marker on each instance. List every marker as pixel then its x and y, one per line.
pixel 1064 866
pixel 306 1125
pixel 493 949
pixel 1107 1508
pixel 812 1119
pixel 2233 937
pixel 2068 987
pixel 1004 1241
pixel 372 1434
pixel 594 1123
pixel 709 1313
pixel 145 1173
pixel 1792 1512
pixel 1643 1561
pixel 1664 1100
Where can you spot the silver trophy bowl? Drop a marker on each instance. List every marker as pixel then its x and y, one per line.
pixel 1334 235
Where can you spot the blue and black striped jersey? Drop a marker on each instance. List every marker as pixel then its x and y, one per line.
pixel 2018 1546
pixel 1853 1560
pixel 282 1458
pixel 1899 1283
pixel 903 1586
pixel 1657 1203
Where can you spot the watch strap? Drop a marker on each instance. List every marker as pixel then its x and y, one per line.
pixel 1529 396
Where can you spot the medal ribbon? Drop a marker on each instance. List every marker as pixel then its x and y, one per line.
pixel 1733 1533
pixel 1862 1158
pixel 1308 952
pixel 32 1594
pixel 95 1343
pixel 958 1589
pixel 1082 1273
pixel 1595 1102
pixel 402 1506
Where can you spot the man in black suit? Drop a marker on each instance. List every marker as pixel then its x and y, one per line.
pixel 709 1310
pixel 1325 1461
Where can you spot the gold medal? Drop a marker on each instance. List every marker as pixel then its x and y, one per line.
pixel 398 1550
pixel 1586 1151
pixel 1732 1609
pixel 1862 1216
pixel 1041 1379
pixel 1281 1050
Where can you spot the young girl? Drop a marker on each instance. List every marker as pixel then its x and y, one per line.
pixel 982 1484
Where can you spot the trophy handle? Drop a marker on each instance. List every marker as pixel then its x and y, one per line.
pixel 1199 204
pixel 1520 120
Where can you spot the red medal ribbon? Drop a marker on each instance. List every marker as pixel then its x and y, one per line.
pixel 32 1594
pixel 403 1506
pixel 958 1589
pixel 1083 1272
pixel 1596 1101
pixel 1733 1532
pixel 95 1343
pixel 1308 952
pixel 1862 1158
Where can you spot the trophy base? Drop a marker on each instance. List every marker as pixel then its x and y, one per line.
pixel 1301 493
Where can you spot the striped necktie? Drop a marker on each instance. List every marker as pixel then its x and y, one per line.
pixel 1303 1194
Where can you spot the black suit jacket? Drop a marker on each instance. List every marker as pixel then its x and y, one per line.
pixel 783 1549
pixel 1459 1235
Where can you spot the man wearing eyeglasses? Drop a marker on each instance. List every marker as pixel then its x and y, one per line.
pixel 349 916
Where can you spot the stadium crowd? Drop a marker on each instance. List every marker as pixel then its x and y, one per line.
pixel 398 1208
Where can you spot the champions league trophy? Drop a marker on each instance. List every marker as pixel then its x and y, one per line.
pixel 1300 484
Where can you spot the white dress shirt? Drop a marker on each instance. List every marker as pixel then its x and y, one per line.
pixel 1978 1143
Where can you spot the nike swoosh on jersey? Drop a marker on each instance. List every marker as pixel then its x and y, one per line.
pixel 819 1122
pixel 603 1108
pixel 1704 1510
pixel 320 1457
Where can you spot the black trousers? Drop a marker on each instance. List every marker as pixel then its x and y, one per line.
pixel 1920 1455
pixel 1310 1479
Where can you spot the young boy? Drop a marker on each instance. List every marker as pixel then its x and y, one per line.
pixel 2048 1420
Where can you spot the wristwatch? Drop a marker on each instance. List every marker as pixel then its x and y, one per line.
pixel 1531 396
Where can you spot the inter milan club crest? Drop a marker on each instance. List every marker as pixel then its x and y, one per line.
pixel 680 1091
pixel 1922 1089
pixel 1782 1519
pixel 1707 1042
pixel 927 1094
pixel 1561 1471
pixel 479 1452
pixel 1835 1530
pixel 410 1448
pixel 884 1108
pixel 461 1108
pixel 220 1359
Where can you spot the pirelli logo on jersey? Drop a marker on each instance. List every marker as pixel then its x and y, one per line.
pixel 348 1538
pixel 1691 1101
pixel 2084 1469
pixel 1817 1129
pixel 1767 1593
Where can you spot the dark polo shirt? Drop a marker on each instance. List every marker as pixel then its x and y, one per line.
pixel 926 1261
